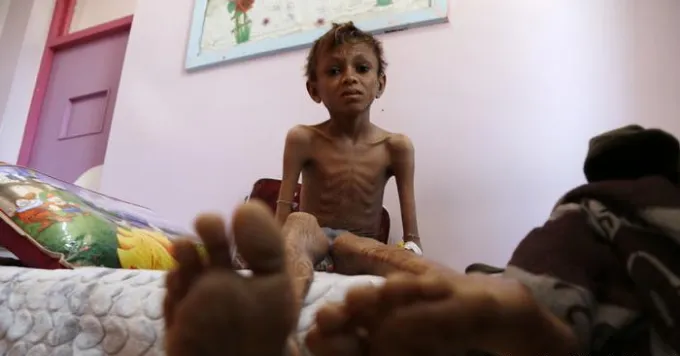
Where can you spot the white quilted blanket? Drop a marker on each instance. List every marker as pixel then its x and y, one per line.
pixel 98 311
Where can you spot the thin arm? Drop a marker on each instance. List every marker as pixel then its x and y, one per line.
pixel 294 156
pixel 404 171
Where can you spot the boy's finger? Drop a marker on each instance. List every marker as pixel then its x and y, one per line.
pixel 212 231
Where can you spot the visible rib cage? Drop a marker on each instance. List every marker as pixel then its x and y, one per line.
pixel 345 189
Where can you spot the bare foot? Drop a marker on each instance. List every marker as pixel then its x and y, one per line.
pixel 355 327
pixel 335 333
pixel 445 314
pixel 212 310
pixel 431 314
pixel 402 321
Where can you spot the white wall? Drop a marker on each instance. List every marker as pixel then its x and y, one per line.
pixel 500 104
pixel 4 9
pixel 90 13
pixel 12 30
pixel 22 42
pixel 655 54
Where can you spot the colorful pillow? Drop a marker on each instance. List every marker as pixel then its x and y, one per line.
pixel 47 223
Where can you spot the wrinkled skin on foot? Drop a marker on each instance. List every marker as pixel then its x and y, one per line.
pixel 212 310
pixel 431 314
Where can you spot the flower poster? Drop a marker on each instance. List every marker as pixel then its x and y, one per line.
pixel 230 23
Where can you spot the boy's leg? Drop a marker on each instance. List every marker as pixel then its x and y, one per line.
pixel 354 255
pixel 306 244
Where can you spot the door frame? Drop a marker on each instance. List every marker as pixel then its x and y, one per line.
pixel 59 38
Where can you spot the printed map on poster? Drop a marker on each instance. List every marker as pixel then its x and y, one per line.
pixel 231 30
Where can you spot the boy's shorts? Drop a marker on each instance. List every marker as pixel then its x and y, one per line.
pixel 332 234
pixel 326 265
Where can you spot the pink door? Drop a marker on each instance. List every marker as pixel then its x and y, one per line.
pixel 75 120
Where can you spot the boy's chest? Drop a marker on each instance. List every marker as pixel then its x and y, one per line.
pixel 369 162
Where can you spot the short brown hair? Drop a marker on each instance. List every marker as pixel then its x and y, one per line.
pixel 340 34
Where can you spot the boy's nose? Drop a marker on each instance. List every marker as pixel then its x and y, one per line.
pixel 349 78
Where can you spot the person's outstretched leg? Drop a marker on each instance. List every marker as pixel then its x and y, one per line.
pixel 211 310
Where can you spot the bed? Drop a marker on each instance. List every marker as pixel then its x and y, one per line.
pixel 83 273
pixel 104 311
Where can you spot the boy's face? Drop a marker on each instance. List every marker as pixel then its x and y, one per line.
pixel 347 79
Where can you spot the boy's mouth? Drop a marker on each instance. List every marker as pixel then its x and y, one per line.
pixel 351 93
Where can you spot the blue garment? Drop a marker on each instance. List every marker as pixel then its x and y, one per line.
pixel 332 234
pixel 326 265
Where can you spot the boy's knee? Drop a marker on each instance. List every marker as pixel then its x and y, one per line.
pixel 301 218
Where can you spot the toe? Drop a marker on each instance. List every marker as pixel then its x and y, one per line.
pixel 332 318
pixel 363 305
pixel 258 238
pixel 178 281
pixel 434 287
pixel 369 306
pixel 421 328
pixel 405 289
pixel 336 344
pixel 189 262
pixel 212 230
pixel 399 290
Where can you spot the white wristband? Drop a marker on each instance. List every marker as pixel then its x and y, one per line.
pixel 412 246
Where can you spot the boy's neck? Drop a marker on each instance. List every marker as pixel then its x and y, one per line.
pixel 351 126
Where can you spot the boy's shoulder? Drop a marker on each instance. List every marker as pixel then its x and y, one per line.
pixel 305 133
pixel 300 134
pixel 399 143
pixel 394 139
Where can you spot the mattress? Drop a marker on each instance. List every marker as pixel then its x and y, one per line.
pixel 100 311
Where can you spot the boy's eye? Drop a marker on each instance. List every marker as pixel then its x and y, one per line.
pixel 363 68
pixel 334 71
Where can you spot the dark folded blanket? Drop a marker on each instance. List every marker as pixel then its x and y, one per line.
pixel 632 152
pixel 608 260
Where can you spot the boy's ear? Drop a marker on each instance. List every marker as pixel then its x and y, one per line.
pixel 382 82
pixel 313 91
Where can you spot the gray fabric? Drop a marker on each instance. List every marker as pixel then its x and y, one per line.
pixel 98 311
pixel 610 269
pixel 326 265
pixel 606 140
pixel 332 234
